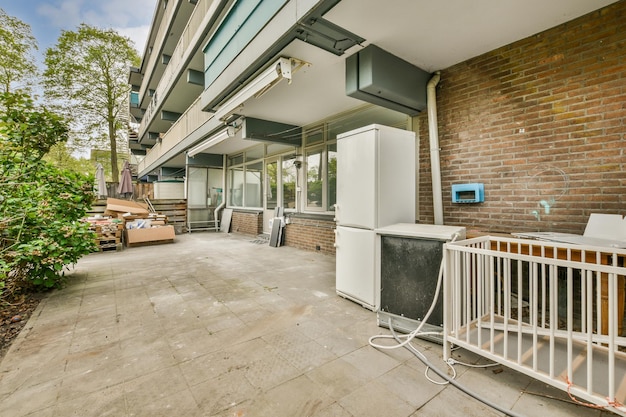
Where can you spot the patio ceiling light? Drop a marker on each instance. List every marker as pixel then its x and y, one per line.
pixel 283 68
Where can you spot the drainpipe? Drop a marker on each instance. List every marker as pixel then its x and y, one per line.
pixel 433 135
pixel 220 207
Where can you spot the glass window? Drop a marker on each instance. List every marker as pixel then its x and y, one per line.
pixel 271 179
pixel 254 153
pixel 289 175
pixel 274 148
pixel 321 178
pixel 314 135
pixel 235 196
pixel 332 176
pixel 314 179
pixel 197 187
pixel 366 116
pixel 253 194
pixel 235 160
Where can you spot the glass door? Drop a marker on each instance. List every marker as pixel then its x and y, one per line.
pixel 289 182
pixel 271 193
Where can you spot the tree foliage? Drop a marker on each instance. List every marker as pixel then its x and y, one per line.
pixel 40 205
pixel 18 69
pixel 61 156
pixel 86 77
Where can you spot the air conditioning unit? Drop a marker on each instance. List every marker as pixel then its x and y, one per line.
pixel 378 77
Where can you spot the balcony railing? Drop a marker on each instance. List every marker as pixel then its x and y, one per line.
pixel 191 120
pixel 187 44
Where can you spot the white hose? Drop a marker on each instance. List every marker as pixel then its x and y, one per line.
pixel 429 366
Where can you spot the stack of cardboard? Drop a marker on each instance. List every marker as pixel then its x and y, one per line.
pixel 140 226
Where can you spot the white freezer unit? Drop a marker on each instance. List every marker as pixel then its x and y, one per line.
pixel 375 177
pixel 356 266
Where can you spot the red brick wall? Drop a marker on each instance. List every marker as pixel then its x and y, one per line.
pixel 541 123
pixel 250 223
pixel 309 234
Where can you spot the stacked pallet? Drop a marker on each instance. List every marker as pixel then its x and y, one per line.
pixel 108 233
pixel 174 210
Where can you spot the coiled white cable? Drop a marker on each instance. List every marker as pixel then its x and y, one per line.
pixel 429 366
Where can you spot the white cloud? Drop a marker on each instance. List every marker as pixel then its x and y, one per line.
pixel 130 18
pixel 137 34
pixel 65 15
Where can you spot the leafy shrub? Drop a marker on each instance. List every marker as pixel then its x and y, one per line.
pixel 40 205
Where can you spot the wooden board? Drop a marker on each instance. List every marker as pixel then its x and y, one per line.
pixel 227 216
pixel 276 233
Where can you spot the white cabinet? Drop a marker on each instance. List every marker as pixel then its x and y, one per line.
pixel 375 177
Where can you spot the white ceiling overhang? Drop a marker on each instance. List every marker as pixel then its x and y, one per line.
pixel 430 35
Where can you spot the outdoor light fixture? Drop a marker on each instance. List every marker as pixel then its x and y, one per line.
pixel 229 132
pixel 283 68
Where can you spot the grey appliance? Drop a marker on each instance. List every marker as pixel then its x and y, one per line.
pixel 410 259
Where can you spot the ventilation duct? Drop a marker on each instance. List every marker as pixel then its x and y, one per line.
pixel 271 132
pixel 378 77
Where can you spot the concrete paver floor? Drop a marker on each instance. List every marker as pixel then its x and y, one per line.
pixel 218 325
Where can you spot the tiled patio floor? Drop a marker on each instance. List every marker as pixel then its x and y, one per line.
pixel 218 325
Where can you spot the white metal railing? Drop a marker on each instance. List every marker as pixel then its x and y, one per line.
pixel 550 310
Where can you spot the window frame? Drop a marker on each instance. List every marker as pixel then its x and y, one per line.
pixel 242 165
pixel 323 147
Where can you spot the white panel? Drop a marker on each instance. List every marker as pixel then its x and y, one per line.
pixel 356 266
pixel 356 180
pixel 396 176
pixel 376 177
pixel 606 226
pixel 427 231
pixel 169 190
pixel 197 187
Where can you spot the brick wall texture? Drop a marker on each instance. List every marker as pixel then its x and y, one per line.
pixel 541 123
pixel 308 234
pixel 247 223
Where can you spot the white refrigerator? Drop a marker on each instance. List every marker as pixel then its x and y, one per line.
pixel 375 188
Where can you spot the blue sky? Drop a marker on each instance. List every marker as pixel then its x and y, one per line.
pixel 47 18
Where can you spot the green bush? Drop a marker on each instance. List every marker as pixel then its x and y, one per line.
pixel 41 206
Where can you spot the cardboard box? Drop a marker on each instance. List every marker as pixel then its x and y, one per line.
pixel 161 234
pixel 125 206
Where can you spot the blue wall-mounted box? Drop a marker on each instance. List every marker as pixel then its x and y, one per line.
pixel 468 193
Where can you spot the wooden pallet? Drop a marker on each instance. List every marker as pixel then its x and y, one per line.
pixel 109 243
pixel 110 247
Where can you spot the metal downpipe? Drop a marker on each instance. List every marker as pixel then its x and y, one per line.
pixel 433 135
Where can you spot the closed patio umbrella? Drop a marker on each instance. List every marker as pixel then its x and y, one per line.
pixel 126 182
pixel 101 184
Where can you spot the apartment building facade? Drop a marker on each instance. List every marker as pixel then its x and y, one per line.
pixel 243 100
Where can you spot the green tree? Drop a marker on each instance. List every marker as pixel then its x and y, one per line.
pixel 86 78
pixel 60 155
pixel 17 66
pixel 40 205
